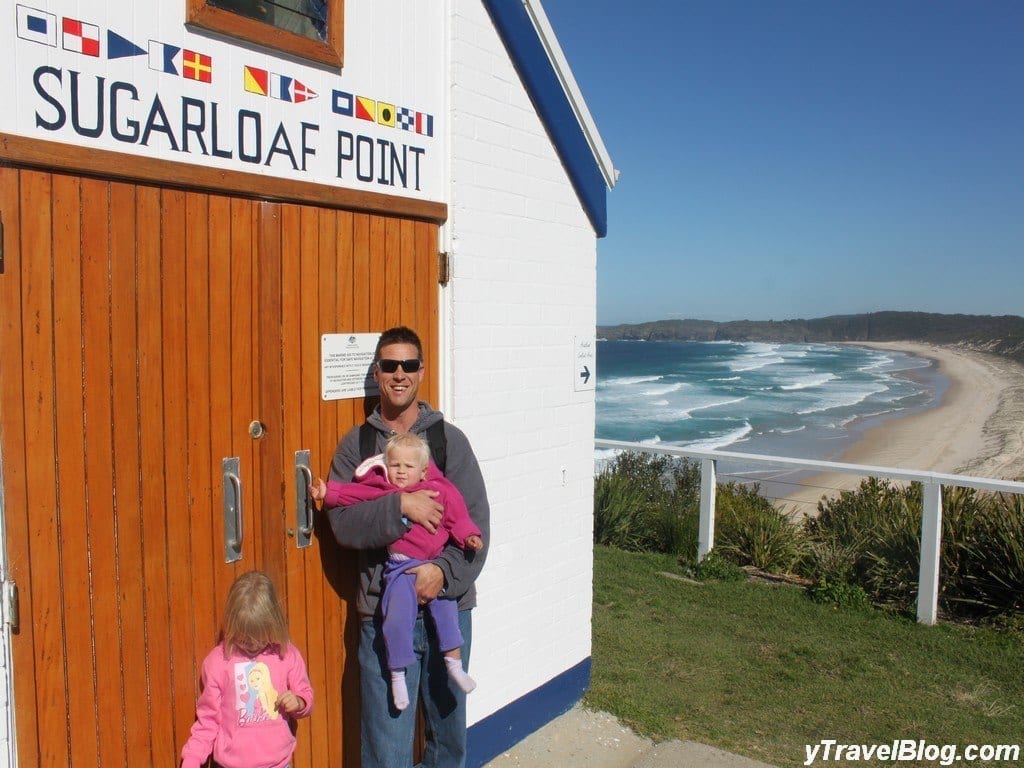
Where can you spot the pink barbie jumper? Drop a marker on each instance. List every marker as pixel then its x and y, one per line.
pixel 236 717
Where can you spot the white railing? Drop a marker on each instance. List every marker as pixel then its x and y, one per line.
pixel 931 514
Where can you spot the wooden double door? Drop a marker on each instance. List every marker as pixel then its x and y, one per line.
pixel 146 335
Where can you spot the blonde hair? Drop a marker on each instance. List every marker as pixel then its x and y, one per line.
pixel 252 613
pixel 409 440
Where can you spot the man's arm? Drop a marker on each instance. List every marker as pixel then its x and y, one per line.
pixel 460 568
pixel 369 524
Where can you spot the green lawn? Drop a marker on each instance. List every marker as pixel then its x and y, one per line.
pixel 761 670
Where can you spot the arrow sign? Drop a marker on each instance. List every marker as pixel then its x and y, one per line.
pixel 584 363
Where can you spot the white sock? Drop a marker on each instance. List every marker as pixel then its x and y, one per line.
pixel 458 674
pixel 398 690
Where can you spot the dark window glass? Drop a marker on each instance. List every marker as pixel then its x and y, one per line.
pixel 303 17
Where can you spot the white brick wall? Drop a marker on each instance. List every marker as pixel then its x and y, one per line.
pixel 524 284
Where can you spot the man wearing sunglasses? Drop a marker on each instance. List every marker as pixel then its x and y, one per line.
pixel 387 733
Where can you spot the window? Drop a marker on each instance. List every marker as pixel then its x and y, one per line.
pixel 311 29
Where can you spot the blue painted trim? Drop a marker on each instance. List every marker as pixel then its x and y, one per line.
pixel 549 98
pixel 514 722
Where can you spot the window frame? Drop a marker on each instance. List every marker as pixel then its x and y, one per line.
pixel 330 52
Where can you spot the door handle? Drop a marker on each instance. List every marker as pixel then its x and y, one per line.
pixel 232 510
pixel 303 500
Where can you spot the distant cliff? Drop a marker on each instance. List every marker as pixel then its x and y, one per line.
pixel 1001 335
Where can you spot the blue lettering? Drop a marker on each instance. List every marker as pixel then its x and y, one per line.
pixel 132 135
pixel 58 122
pixel 252 119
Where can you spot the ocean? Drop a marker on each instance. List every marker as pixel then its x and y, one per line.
pixel 800 400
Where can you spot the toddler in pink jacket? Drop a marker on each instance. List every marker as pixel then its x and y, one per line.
pixel 254 684
pixel 406 467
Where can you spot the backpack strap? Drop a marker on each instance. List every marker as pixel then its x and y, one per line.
pixel 367 441
pixel 435 436
pixel 438 444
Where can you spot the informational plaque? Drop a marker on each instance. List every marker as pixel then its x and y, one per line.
pixel 346 365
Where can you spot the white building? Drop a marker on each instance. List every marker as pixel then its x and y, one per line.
pixel 209 210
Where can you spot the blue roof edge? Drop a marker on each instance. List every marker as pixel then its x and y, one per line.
pixel 541 81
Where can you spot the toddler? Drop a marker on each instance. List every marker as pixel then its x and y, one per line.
pixel 406 467
pixel 254 684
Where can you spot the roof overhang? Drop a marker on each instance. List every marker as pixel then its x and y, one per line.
pixel 531 43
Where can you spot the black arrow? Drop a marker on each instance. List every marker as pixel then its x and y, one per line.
pixel 585 375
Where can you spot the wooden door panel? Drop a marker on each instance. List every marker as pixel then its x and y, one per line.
pixel 22 345
pixel 141 330
pixel 127 469
pixel 150 405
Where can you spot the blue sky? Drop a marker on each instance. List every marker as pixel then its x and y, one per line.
pixel 801 158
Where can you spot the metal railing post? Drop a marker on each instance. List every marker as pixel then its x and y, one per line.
pixel 931 543
pixel 706 526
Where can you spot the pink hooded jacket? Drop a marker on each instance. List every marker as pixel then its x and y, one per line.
pixel 236 719
pixel 370 481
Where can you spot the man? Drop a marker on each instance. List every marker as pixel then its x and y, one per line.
pixel 387 733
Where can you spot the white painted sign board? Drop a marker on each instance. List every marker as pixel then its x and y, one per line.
pixel 584 359
pixel 346 361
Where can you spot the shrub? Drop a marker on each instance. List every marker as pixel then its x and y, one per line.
pixel 840 593
pixel 753 532
pixel 647 503
pixel 714 567
pixel 871 537
pixel 991 574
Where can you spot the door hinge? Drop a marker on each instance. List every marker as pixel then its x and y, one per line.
pixel 443 268
pixel 12 612
pixel 1 242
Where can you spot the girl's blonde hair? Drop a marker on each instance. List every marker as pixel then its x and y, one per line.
pixel 409 440
pixel 252 613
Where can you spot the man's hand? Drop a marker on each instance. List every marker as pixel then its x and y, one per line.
pixel 429 582
pixel 421 507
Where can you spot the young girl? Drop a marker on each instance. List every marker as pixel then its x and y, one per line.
pixel 254 683
pixel 406 467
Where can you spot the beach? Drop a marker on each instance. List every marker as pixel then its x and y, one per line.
pixel 977 429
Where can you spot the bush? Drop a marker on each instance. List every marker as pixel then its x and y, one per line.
pixel 871 537
pixel 753 532
pixel 714 567
pixel 840 593
pixel 647 503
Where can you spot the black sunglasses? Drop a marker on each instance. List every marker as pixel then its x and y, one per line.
pixel 390 366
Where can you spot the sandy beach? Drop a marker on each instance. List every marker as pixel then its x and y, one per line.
pixel 977 429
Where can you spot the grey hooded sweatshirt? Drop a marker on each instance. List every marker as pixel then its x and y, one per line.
pixel 371 525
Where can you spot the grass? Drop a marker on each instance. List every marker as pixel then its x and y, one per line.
pixel 762 670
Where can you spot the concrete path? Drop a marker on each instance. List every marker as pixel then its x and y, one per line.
pixel 582 739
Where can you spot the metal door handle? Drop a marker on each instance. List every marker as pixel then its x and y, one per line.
pixel 303 501
pixel 232 510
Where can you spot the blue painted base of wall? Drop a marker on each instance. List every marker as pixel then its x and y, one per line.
pixel 508 726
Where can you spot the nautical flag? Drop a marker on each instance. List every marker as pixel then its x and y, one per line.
pixel 256 80
pixel 406 119
pixel 366 109
pixel 81 38
pixel 386 114
pixel 120 48
pixel 344 104
pixel 37 26
pixel 302 92
pixel 280 87
pixel 197 66
pixel 424 124
pixel 164 58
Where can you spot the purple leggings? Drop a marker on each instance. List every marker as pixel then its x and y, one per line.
pixel 399 609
